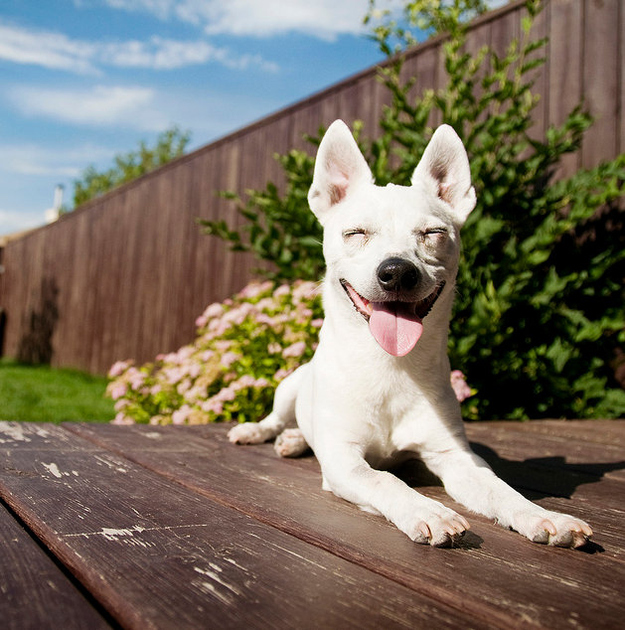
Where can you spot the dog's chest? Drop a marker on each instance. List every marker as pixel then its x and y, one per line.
pixel 397 424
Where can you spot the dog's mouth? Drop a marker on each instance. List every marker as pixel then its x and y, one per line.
pixel 395 325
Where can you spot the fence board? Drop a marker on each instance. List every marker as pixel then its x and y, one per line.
pixel 131 269
pixel 565 75
pixel 621 81
pixel 600 64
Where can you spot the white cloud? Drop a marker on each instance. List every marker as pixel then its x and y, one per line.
pixel 56 51
pixel 15 220
pixel 322 18
pixel 47 160
pixel 159 8
pixel 129 108
pixel 166 54
pixel 44 48
pixel 159 54
pixel 101 105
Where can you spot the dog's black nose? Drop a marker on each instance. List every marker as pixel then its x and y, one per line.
pixel 397 274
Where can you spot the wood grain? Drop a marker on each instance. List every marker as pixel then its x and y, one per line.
pixel 168 527
pixel 34 592
pixel 496 566
pixel 156 555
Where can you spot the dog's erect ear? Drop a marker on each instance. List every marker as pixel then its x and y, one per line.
pixel 338 168
pixel 445 164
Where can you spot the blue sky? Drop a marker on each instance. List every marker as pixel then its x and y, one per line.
pixel 84 80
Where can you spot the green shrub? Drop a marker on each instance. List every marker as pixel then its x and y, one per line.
pixel 243 349
pixel 539 318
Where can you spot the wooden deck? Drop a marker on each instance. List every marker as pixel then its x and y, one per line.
pixel 163 527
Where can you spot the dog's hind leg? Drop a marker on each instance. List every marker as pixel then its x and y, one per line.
pixel 281 417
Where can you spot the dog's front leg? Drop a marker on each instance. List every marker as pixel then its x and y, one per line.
pixel 349 476
pixel 469 480
pixel 281 417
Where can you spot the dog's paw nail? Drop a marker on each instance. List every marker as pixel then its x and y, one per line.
pixel 561 530
pixel 548 526
pixel 421 533
pixel 580 539
pixel 541 537
pixel 425 531
pixel 586 530
pixel 447 538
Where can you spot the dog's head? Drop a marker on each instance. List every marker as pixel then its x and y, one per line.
pixel 392 251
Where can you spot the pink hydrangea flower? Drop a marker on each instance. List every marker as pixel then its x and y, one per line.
pixel 227 394
pixel 191 376
pixel 295 350
pixel 281 291
pixel 282 373
pixel 136 379
pixel 245 381
pixel 255 289
pixel 267 304
pixel 180 415
pixel 213 406
pixel 184 386
pixel 223 345
pixel 264 319
pixel 117 389
pixel 229 358
pixel 118 368
pixel 122 419
pixel 214 310
pixel 459 385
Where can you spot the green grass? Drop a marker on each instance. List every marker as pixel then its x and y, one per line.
pixel 44 394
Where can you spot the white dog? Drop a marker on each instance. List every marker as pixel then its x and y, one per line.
pixel 377 391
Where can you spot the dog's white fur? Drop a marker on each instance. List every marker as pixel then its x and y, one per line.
pixel 362 409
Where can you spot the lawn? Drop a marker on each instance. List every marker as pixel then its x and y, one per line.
pixel 44 394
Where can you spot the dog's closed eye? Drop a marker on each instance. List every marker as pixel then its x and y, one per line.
pixel 434 236
pixel 355 234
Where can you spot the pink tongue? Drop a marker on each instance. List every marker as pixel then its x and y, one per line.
pixel 394 327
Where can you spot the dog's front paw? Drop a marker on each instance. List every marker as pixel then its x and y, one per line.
pixel 553 528
pixel 247 433
pixel 439 527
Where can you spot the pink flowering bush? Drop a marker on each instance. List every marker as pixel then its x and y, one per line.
pixel 244 347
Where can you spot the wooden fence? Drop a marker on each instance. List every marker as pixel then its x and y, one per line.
pixel 126 275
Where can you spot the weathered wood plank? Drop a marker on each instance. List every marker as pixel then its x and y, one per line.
pixel 605 432
pixel 504 578
pixel 34 592
pixel 157 555
pixel 584 460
